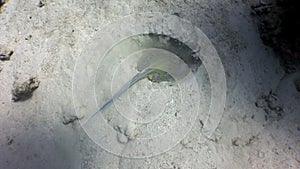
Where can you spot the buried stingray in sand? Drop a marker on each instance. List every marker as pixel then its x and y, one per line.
pixel 159 66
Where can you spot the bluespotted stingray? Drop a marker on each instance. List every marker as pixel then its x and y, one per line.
pixel 158 65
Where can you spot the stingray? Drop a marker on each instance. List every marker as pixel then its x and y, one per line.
pixel 159 66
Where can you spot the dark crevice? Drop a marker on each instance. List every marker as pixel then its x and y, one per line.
pixel 279 28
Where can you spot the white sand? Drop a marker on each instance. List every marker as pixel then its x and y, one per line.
pixel 33 136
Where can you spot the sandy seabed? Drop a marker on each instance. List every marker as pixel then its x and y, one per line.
pixel 260 126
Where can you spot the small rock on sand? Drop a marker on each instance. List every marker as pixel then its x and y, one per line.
pixel 5 53
pixel 23 90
